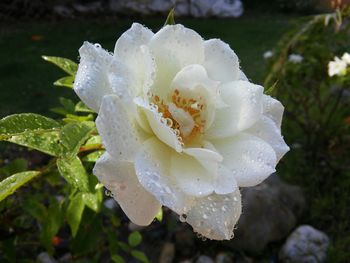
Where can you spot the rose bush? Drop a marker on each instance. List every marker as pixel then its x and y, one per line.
pixel 182 126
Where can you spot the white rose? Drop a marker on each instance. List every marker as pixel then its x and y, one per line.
pixel 346 58
pixel 182 126
pixel 337 67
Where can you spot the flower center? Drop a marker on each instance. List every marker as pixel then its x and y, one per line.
pixel 184 115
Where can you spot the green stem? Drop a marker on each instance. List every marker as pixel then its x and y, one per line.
pixel 91 147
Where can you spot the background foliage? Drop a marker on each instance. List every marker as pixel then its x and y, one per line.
pixel 59 203
pixel 316 123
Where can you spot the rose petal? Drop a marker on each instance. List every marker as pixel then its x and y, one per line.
pixel 273 109
pixel 119 134
pixel 220 61
pixel 191 176
pixel 130 49
pixel 249 158
pixel 152 166
pixel 215 216
pixel 208 158
pixel 158 124
pixel 244 101
pixel 267 130
pixel 128 45
pixel 91 82
pixel 150 69
pixel 122 83
pixel 242 76
pixel 119 177
pixel 174 47
pixel 225 182
pixel 193 82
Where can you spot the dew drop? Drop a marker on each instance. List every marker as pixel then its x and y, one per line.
pixel 183 218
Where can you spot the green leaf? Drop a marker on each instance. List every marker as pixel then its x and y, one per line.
pixel 65 64
pixel 117 259
pixel 159 216
pixel 19 123
pixel 134 239
pixel 74 172
pixel 89 233
pixel 140 256
pixel 65 82
pixel 52 223
pixel 74 212
pixel 75 118
pixel 35 209
pixel 67 104
pixel 44 141
pixel 12 183
pixel 93 140
pixel 60 111
pixel 73 135
pixel 125 247
pixel 81 107
pixel 31 130
pixel 112 238
pixel 93 200
pixel 93 157
pixel 170 18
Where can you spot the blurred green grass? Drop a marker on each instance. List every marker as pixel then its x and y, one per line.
pixel 26 80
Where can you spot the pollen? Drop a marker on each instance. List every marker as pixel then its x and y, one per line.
pixel 191 106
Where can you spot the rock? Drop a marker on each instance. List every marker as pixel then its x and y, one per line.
pixel 129 7
pixel 134 227
pixel 183 8
pixel 204 259
pixel 201 8
pixel 305 245
pixel 111 204
pixel 219 8
pixel 168 253
pixel 44 257
pixel 160 6
pixel 223 258
pixel 63 11
pixel 227 8
pixel 185 242
pixel 270 212
pixel 88 8
pixel 196 8
pixel 66 258
pixel 245 259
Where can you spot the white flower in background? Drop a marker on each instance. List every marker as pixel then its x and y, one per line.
pixel 337 67
pixel 182 126
pixel 346 58
pixel 268 54
pixel 295 58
